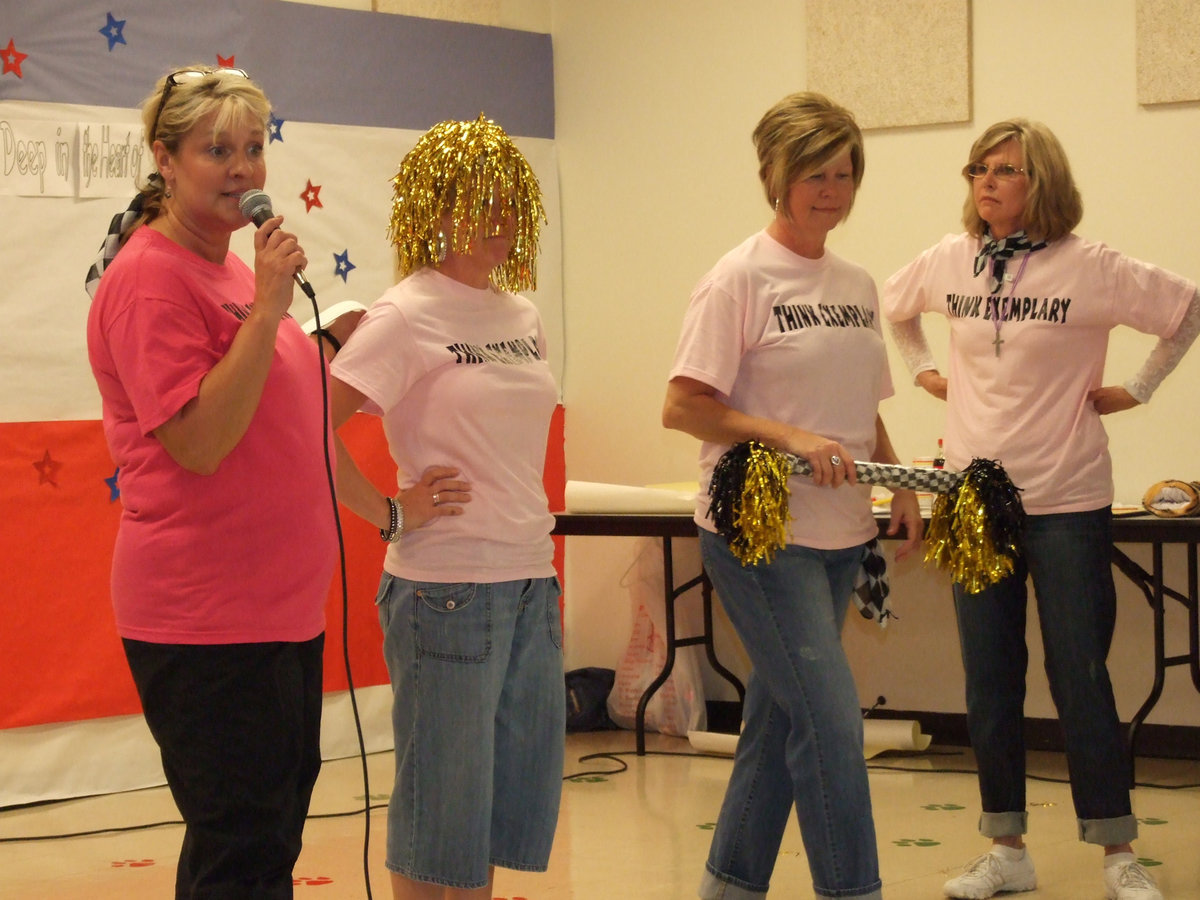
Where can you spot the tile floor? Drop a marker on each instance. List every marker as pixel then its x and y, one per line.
pixel 640 833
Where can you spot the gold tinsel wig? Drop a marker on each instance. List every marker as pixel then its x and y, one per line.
pixel 463 169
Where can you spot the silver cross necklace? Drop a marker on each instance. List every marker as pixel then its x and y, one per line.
pixel 1000 310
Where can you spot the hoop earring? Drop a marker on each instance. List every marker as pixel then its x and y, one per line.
pixel 443 246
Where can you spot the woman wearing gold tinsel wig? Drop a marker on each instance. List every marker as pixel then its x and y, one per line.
pixel 1030 307
pixel 455 362
pixel 781 344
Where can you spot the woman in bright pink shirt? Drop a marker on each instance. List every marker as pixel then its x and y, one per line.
pixel 213 413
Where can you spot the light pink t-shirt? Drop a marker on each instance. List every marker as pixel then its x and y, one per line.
pixel 245 554
pixel 796 340
pixel 461 379
pixel 1027 407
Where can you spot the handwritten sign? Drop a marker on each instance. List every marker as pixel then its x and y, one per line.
pixel 70 159
pixel 36 158
pixel 111 158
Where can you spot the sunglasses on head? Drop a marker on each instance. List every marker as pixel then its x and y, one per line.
pixel 179 77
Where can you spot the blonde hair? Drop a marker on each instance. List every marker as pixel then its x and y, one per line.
pixel 232 95
pixel 798 136
pixel 462 169
pixel 1053 206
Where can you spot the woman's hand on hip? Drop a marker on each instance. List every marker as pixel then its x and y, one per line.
pixel 934 382
pixel 438 492
pixel 1111 399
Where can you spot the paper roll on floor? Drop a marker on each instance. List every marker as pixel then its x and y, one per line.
pixel 892 734
pixel 879 735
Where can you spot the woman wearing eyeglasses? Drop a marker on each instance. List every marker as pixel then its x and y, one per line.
pixel 1030 306
pixel 212 410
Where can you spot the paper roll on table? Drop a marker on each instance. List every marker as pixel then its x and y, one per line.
pixel 598 497
pixel 879 735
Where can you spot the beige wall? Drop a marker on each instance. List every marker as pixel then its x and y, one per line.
pixel 655 103
pixel 523 15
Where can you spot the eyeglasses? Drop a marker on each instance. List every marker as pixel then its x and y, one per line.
pixel 1003 171
pixel 176 78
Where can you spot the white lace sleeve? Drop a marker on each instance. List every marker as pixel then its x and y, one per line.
pixel 1165 356
pixel 914 348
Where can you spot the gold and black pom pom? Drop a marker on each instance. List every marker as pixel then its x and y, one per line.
pixel 749 500
pixel 975 529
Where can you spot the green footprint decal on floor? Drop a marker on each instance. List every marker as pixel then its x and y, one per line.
pixel 1149 863
pixel 1152 821
pixel 707 826
pixel 917 842
pixel 587 779
pixel 942 806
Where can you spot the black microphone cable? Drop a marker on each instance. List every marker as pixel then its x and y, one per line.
pixel 326 426
pixel 255 205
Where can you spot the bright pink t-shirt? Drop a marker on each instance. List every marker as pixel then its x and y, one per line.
pixel 1027 405
pixel 796 340
pixel 245 554
pixel 461 379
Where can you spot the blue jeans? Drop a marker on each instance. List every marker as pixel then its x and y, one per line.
pixel 479 716
pixel 802 743
pixel 1069 558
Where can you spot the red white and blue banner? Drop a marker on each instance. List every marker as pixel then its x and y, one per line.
pixel 351 91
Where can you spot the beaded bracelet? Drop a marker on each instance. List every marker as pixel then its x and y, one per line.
pixel 395 522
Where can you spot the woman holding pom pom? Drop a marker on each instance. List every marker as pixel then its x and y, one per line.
pixel 782 345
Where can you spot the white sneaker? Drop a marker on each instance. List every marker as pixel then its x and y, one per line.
pixel 992 874
pixel 1130 881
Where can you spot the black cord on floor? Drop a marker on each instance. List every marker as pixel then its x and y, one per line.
pixel 615 757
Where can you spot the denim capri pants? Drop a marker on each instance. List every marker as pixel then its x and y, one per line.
pixel 479 717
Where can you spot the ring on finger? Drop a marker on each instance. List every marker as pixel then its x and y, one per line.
pixel 835 460
pixel 437 498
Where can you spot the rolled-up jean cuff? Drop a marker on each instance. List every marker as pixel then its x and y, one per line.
pixel 714 888
pixel 1003 824
pixel 1108 832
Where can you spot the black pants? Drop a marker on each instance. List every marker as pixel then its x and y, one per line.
pixel 239 729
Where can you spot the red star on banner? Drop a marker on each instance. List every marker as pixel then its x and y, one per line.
pixel 226 62
pixel 311 196
pixel 47 470
pixel 12 59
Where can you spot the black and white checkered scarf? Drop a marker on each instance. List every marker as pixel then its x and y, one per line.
pixel 1001 251
pixel 112 243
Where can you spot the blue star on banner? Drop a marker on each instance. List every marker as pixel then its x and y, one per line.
pixel 114 492
pixel 342 264
pixel 113 31
pixel 275 129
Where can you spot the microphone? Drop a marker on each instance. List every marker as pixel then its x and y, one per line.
pixel 255 205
